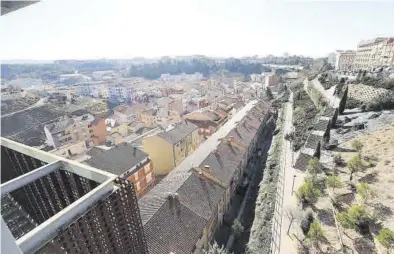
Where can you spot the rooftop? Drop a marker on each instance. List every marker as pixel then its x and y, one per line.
pixel 179 132
pixel 176 224
pixel 116 160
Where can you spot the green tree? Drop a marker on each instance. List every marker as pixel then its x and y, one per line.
pixel 314 168
pixel 316 234
pixel 216 249
pixel 358 146
pixel 268 94
pixel 333 182
pixel 365 191
pixel 356 217
pixel 386 238
pixel 237 228
pixel 354 165
pixel 308 193
pixel 338 160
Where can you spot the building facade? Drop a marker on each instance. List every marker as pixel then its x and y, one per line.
pixel 127 162
pixel 70 130
pixel 345 60
pixel 168 149
pixel 365 53
pixel 120 93
pixel 200 188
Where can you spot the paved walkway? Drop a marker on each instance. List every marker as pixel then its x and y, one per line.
pixel 287 245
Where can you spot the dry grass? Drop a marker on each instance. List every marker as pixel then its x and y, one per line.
pixel 378 155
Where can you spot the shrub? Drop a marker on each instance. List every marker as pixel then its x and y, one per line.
pixel 355 165
pixel 358 146
pixel 356 217
pixel 338 160
pixel 308 194
pixel 365 191
pixel 306 222
pixel 237 228
pixel 316 233
pixel 333 182
pixel 216 249
pixel 386 238
pixel 314 168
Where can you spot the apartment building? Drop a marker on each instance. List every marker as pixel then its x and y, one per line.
pixel 149 117
pixel 71 130
pixel 198 191
pixel 168 149
pixel 127 162
pixel 365 53
pixel 120 93
pixel 345 60
pixel 271 80
pixel 208 121
pixel 382 54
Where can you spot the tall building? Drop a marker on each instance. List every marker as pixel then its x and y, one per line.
pixel 70 130
pixel 382 54
pixel 344 60
pixel 366 53
pixel 332 57
pixel 54 205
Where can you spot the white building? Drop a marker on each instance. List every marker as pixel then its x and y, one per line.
pixel 344 60
pixel 366 53
pixel 332 58
pixel 120 93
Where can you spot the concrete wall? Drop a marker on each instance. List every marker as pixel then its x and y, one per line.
pixel 161 154
pixel 68 150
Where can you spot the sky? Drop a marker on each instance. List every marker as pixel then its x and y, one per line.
pixel 93 29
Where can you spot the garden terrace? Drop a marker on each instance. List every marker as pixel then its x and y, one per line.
pixel 305 114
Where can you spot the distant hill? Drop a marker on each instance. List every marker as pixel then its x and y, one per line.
pixel 21 61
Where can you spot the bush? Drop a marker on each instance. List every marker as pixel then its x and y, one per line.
pixel 306 222
pixel 365 191
pixel 333 182
pixel 355 165
pixel 316 233
pixel 314 168
pixel 338 160
pixel 386 238
pixel 356 217
pixel 358 146
pixel 308 194
pixel 216 249
pixel 237 228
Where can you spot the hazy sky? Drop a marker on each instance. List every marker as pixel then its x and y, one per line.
pixel 82 29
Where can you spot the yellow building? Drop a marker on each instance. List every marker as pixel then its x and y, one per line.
pixel 168 149
pixel 148 117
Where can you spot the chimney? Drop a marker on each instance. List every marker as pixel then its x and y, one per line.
pixel 207 169
pixel 215 152
pixel 230 140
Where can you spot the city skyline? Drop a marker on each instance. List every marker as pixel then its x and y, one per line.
pixel 221 29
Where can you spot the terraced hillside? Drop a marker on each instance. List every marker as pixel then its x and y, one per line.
pixel 27 126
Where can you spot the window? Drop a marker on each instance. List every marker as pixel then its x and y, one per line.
pixel 149 177
pixel 147 168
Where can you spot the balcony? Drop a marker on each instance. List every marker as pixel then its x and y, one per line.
pixel 47 201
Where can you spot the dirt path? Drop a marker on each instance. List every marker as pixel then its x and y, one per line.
pixel 37 104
